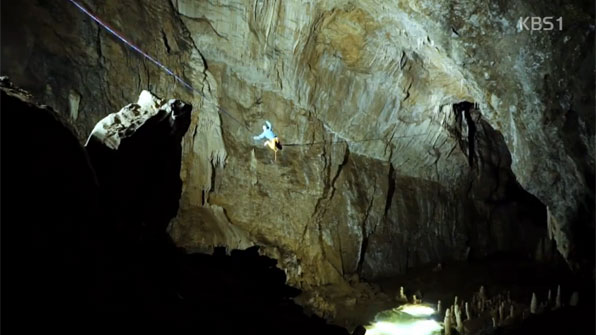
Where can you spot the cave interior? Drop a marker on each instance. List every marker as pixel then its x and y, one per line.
pixel 434 172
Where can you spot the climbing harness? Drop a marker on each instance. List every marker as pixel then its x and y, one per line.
pixel 153 60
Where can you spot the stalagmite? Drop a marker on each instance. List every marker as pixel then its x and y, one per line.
pixel 455 301
pixel 415 300
pixel 558 298
pixel 574 299
pixel 511 312
pixel 494 322
pixel 549 298
pixel 533 304
pixel 439 307
pixel 458 321
pixel 467 312
pixel 402 295
pixel 482 293
pixel 502 312
pixel 447 322
pixel 542 306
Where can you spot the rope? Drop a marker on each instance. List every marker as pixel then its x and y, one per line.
pixel 330 142
pixel 346 141
pixel 153 60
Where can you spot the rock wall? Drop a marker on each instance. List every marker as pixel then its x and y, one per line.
pixel 396 176
pixel 85 240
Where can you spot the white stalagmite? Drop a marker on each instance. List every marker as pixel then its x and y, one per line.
pixel 439 307
pixel 458 322
pixel 467 312
pixel 502 311
pixel 511 312
pixel 447 322
pixel 558 298
pixel 533 304
pixel 415 300
pixel 402 295
pixel 494 323
pixel 549 298
pixel 574 299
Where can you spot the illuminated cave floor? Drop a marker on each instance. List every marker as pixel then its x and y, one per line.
pixel 497 275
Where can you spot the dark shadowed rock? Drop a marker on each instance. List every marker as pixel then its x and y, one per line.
pixel 50 224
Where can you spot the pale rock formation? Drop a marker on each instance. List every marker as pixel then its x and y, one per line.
pixel 447 322
pixel 534 304
pixel 115 127
pixel 402 296
pixel 458 320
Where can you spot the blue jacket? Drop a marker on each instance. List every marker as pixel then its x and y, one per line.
pixel 267 132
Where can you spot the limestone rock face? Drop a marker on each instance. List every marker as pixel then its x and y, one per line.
pixel 388 167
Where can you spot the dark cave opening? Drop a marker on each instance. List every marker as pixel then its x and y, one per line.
pixel 493 187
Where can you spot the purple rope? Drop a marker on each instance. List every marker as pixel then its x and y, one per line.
pixel 147 56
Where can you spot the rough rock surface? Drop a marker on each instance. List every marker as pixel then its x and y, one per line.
pixel 400 173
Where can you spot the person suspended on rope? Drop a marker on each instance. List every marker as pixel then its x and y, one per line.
pixel 272 140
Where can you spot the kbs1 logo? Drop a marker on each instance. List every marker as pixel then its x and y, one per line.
pixel 539 23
